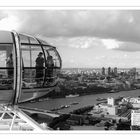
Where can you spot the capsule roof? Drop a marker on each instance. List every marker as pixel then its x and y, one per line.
pixel 6 37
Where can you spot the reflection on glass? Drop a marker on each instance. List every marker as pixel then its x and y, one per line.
pixel 6 66
pixel 27 39
pixel 55 56
pixel 10 65
pixel 33 66
pixel 50 68
pixel 39 68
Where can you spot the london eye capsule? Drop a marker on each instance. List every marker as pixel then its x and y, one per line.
pixel 29 67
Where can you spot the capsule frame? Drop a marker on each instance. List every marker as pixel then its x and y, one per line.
pixel 29 67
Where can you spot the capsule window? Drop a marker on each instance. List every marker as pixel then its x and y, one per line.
pixel 6 66
pixel 33 66
pixel 55 56
pixel 25 40
pixel 52 65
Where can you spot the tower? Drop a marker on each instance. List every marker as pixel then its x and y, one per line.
pixel 115 71
pixel 109 70
pixel 103 71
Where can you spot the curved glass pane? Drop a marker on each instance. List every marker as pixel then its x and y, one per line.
pixel 52 65
pixel 23 39
pixel 37 76
pixel 33 40
pixel 55 56
pixel 43 42
pixel 6 66
pixel 6 72
pixel 33 66
pixel 27 39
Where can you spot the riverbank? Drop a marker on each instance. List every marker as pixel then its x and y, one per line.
pixel 110 91
pixel 81 100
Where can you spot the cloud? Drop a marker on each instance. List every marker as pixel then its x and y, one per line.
pixel 84 42
pixel 8 23
pixel 115 29
pixel 119 25
pixel 108 24
pixel 129 47
pixel 74 42
pixel 111 43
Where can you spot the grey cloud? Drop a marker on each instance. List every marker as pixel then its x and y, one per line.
pixel 129 47
pixel 102 24
pixel 113 24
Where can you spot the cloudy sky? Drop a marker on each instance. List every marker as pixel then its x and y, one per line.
pixel 84 38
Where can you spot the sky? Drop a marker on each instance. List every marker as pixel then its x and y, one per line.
pixel 84 38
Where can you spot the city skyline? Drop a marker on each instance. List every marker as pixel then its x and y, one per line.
pixel 84 38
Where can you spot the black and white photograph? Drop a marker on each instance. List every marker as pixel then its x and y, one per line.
pixel 69 69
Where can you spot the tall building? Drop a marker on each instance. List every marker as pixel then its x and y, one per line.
pixel 109 70
pixel 115 71
pixel 134 70
pixel 103 71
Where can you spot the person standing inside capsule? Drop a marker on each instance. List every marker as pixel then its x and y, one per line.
pixel 9 63
pixel 50 66
pixel 39 67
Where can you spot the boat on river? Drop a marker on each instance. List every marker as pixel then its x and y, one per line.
pixel 71 95
pixel 74 103
pixel 101 99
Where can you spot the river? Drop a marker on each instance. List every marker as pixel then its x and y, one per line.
pixel 82 100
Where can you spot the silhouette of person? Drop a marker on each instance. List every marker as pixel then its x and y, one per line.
pixel 50 66
pixel 10 66
pixel 39 67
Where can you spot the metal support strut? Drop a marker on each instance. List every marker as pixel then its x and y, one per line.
pixel 13 118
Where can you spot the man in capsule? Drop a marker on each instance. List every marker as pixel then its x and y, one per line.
pixel 9 62
pixel 50 66
pixel 39 67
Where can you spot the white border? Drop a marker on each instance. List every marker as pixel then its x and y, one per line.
pixel 65 5
pixel 70 8
pixel 70 2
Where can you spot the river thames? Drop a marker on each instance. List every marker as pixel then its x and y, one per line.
pixel 82 100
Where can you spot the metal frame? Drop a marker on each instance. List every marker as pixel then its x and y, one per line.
pixel 18 76
pixel 13 118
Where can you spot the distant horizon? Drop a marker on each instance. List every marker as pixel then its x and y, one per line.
pixel 97 67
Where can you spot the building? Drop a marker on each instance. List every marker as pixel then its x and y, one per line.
pixel 111 101
pixel 107 109
pixel 135 118
pixel 109 70
pixel 135 100
pixel 136 105
pixel 131 100
pixel 112 110
pixel 103 71
pixel 112 107
pixel 115 71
